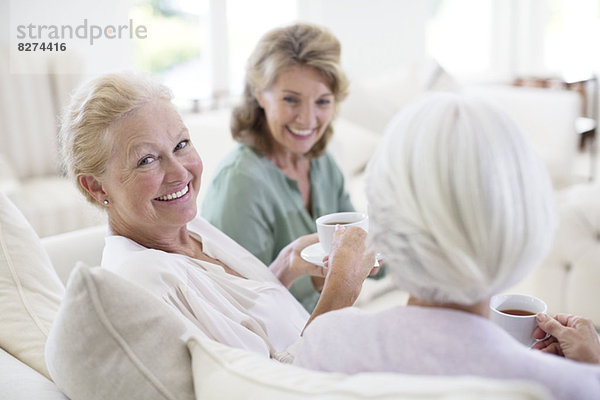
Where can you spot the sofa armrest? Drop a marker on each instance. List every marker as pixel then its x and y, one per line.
pixel 21 382
pixel 66 249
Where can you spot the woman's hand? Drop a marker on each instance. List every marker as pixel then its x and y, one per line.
pixel 572 337
pixel 288 265
pixel 349 264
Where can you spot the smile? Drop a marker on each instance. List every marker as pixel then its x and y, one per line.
pixel 301 132
pixel 176 195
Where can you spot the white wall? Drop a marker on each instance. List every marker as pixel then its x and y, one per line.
pixel 377 36
pixel 4 22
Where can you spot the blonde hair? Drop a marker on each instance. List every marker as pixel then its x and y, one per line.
pixel 459 202
pixel 87 120
pixel 300 44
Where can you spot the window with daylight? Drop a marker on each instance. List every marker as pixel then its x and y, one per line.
pixel 459 36
pixel 199 48
pixel 177 51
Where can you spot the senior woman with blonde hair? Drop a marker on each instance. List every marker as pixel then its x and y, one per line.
pixel 462 208
pixel 270 189
pixel 130 153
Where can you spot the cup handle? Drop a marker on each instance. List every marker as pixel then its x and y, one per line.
pixel 540 340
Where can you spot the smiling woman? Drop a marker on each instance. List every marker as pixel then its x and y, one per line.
pixel 129 152
pixel 271 188
pixel 153 173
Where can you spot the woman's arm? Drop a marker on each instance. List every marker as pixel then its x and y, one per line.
pixel 288 265
pixel 349 265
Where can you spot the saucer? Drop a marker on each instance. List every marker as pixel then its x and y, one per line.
pixel 314 254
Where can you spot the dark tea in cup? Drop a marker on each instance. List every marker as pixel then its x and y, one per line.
pixel 515 311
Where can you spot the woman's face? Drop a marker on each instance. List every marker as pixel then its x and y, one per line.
pixel 299 106
pixel 153 175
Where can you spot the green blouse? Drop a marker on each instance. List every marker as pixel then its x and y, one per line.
pixel 253 202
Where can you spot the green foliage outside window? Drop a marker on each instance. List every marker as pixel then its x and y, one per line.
pixel 172 38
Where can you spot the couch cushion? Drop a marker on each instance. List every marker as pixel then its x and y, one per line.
pixel 547 118
pixel 113 340
pixel 567 279
pixel 61 208
pixel 20 382
pixel 30 291
pixel 374 101
pixel 222 372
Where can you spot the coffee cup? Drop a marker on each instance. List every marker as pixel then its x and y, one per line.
pixel 515 313
pixel 326 225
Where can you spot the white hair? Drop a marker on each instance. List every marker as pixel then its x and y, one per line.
pixel 459 203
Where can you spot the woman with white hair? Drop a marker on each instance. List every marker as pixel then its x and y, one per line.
pixel 462 208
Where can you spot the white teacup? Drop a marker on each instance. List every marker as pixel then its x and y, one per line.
pixel 515 313
pixel 326 225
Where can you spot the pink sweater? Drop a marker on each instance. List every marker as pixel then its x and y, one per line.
pixel 436 341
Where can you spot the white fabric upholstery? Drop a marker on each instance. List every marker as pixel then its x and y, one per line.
pixel 53 205
pixel 547 118
pixel 69 248
pixel 112 339
pixel 569 277
pixel 18 381
pixel 238 374
pixel 373 102
pixel 30 290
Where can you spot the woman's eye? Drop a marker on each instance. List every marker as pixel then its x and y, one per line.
pixel 323 102
pixel 145 161
pixel 182 144
pixel 289 99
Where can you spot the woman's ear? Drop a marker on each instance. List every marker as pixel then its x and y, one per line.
pixel 93 187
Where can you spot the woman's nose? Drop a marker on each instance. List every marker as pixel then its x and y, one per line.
pixel 307 116
pixel 175 170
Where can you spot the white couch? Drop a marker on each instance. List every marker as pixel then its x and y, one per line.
pixel 104 337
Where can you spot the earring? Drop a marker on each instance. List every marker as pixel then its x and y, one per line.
pixel 105 202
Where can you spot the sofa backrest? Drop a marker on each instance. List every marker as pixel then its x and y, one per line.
pixel 67 249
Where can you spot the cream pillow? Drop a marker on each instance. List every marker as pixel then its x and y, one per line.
pixel 114 340
pixel 222 372
pixel 352 146
pixel 30 291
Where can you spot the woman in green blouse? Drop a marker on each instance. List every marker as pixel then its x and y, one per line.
pixel 269 190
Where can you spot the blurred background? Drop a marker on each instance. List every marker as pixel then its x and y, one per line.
pixel 536 58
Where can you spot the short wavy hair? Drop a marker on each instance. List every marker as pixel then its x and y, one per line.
pixel 86 122
pixel 459 203
pixel 299 44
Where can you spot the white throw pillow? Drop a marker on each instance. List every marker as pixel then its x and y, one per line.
pixel 222 372
pixel 352 146
pixel 30 291
pixel 114 340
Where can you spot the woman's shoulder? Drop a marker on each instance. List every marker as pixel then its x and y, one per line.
pixel 351 319
pixel 241 161
pixel 325 165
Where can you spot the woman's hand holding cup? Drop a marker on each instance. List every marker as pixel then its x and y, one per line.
pixel 572 337
pixel 349 263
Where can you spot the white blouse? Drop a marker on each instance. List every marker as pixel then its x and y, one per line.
pixel 256 312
